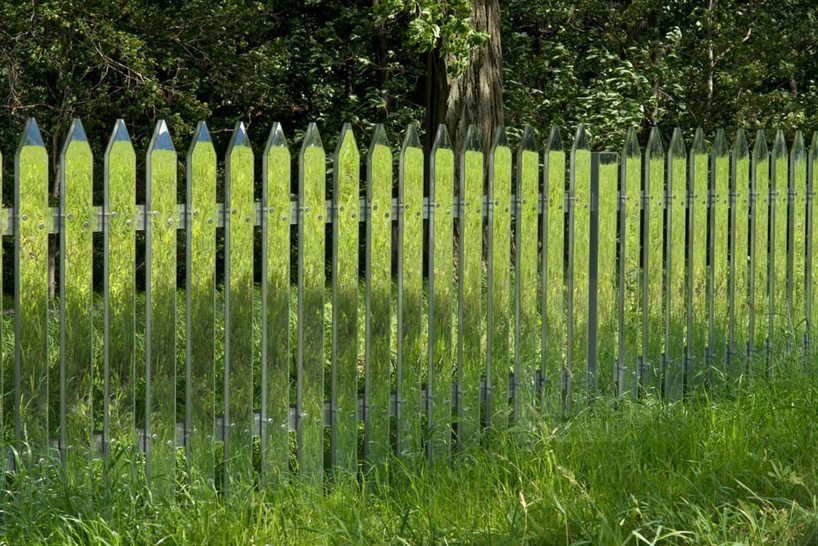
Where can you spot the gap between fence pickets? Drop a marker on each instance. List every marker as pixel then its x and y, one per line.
pixel 182 215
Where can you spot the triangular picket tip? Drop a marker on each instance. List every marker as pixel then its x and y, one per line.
pixel 161 138
pixel 580 140
pixel 677 144
pixel 76 133
pixel 346 139
pixel 780 146
pixel 655 147
pixel 760 146
pixel 119 136
pixel 527 141
pixel 720 144
pixel 740 148
pixel 500 138
pixel 631 146
pixel 471 141
pixel 379 137
pixel 31 135
pixel 239 138
pixel 200 136
pixel 311 138
pixel 554 140
pixel 411 139
pixel 699 146
pixel 442 140
pixel 276 139
pixel 798 150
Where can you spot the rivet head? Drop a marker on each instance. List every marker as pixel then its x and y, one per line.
pixel 306 209
pixel 155 437
pixel 86 225
pixel 234 211
pixel 232 425
pixel 209 437
pixel 169 443
pixel 341 208
pixel 417 213
pixel 25 217
pixel 71 215
pixel 210 220
pixel 247 219
pixel 170 221
pixel 271 209
pixel 41 225
pixel 283 426
pixel 196 212
pixel 386 215
pixel 156 213
pixel 128 223
pixel 42 461
pixel 246 432
pixel 283 216
pixel 354 215
pixel 406 206
pixel 320 216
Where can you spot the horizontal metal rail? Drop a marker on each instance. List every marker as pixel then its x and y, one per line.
pixel 7 218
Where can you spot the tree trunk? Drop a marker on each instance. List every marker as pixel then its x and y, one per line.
pixel 474 96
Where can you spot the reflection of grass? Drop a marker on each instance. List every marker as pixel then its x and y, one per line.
pixel 604 477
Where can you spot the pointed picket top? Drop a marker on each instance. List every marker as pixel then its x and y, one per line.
pixel 471 142
pixel 76 133
pixel 631 146
pixel 239 138
pixel 760 149
pixel 346 140
pixel 527 142
pixel 120 133
pixel 699 145
pixel 655 148
pixel 677 144
pixel 580 140
pixel 798 151
pixel 554 140
pixel 442 140
pixel 740 148
pixel 312 139
pixel 276 139
pixel 720 144
pixel 119 137
pixel 411 139
pixel 379 138
pixel 31 136
pixel 500 138
pixel 161 138
pixel 780 144
pixel 200 136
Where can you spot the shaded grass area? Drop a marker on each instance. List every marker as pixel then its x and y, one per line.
pixel 737 467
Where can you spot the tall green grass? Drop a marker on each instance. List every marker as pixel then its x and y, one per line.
pixel 735 468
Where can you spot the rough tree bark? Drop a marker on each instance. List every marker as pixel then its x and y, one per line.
pixel 475 95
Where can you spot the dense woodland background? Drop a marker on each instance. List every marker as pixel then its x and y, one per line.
pixel 606 63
